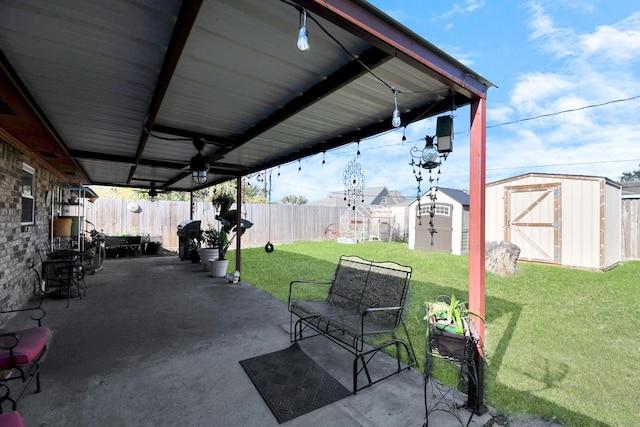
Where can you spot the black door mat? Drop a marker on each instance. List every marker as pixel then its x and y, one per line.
pixel 291 383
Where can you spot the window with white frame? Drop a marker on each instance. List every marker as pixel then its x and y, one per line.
pixel 440 210
pixel 28 195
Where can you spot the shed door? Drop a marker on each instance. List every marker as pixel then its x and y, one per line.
pixel 533 218
pixel 442 222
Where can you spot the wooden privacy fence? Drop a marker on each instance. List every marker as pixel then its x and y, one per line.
pixel 630 230
pixel 159 220
pixel 289 223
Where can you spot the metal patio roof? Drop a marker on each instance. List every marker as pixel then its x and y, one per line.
pixel 114 92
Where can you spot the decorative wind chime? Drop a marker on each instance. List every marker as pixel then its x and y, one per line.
pixel 353 179
pixel 430 158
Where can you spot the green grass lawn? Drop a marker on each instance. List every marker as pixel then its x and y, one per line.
pixel 560 342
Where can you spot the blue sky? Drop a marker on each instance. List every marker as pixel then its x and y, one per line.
pixel 544 57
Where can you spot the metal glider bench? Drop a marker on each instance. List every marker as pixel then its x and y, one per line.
pixel 365 299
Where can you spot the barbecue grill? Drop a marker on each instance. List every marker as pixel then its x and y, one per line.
pixel 188 232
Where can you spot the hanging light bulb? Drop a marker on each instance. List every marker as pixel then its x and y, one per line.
pixel 395 121
pixel 303 41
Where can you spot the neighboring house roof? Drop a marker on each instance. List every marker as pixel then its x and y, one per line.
pixel 371 197
pixel 630 189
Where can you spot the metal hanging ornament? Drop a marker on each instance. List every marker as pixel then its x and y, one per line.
pixel 353 183
pixel 428 158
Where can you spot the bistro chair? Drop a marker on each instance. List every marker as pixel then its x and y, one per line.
pixel 61 275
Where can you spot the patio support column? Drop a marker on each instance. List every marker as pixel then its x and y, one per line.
pixel 238 221
pixel 192 205
pixel 477 175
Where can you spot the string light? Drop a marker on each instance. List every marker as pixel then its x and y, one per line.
pixel 303 40
pixel 395 120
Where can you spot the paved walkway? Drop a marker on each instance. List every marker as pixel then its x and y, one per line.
pixel 156 342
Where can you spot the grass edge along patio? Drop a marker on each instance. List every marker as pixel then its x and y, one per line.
pixel 561 343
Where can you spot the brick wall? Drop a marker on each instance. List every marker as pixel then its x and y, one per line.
pixel 18 244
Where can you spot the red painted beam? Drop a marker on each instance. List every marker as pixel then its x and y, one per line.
pixel 477 175
pixel 368 23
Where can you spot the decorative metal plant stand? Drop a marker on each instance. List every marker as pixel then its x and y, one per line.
pixel 458 350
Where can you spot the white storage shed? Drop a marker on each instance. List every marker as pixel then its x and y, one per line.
pixel 569 220
pixel 451 222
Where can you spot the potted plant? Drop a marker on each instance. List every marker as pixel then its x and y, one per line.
pixel 448 326
pixel 222 202
pixel 229 226
pixel 208 243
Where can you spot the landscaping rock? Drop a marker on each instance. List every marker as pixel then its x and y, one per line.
pixel 500 258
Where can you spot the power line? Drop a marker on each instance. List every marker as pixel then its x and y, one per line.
pixel 567 164
pixel 571 110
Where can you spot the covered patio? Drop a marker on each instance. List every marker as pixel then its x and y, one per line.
pixel 157 341
pixel 178 96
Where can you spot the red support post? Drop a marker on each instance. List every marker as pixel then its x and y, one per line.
pixel 238 221
pixel 477 237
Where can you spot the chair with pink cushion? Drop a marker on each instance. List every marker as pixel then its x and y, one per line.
pixel 20 354
pixel 11 419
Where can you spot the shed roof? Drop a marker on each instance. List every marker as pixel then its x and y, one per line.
pixel 115 92
pixel 555 176
pixel 458 196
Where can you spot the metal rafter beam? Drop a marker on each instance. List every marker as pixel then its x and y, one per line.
pixel 184 24
pixel 424 111
pixel 372 58
pixel 350 72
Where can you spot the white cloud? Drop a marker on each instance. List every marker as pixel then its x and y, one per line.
pixel 467 7
pixel 559 41
pixel 588 69
pixel 500 114
pixel 618 42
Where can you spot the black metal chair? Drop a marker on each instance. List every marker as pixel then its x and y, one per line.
pixel 62 274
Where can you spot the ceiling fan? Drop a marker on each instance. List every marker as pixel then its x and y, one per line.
pixel 153 191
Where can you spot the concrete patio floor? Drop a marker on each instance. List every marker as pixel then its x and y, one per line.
pixel 157 341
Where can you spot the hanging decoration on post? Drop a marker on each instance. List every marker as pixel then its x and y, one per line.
pixel 430 158
pixel 353 183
